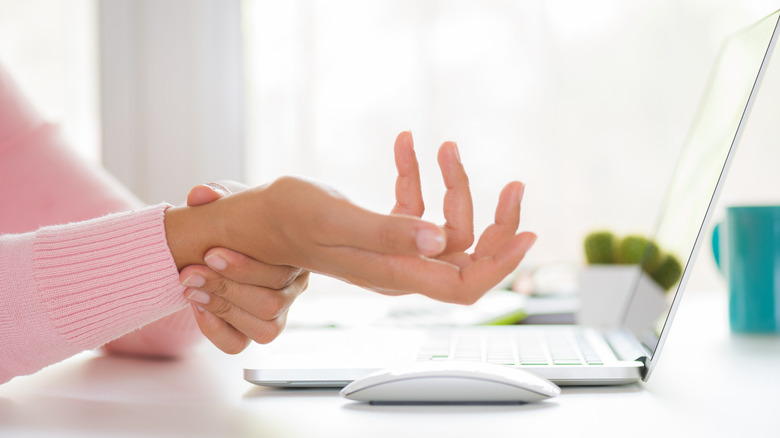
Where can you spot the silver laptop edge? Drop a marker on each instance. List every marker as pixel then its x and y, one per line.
pixel 651 354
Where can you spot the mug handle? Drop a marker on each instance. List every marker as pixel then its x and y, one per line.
pixel 716 246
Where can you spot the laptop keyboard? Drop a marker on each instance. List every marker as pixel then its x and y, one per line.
pixel 555 347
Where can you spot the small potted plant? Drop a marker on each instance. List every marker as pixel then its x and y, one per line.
pixel 622 270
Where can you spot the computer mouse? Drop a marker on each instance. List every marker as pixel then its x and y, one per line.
pixel 450 382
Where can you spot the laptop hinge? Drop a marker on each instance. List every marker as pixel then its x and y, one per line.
pixel 643 370
pixel 627 347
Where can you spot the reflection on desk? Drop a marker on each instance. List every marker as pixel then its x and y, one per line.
pixel 708 383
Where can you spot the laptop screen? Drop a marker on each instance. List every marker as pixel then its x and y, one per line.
pixel 702 165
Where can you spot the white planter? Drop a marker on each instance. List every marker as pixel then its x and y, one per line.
pixel 605 294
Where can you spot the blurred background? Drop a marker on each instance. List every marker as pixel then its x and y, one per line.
pixel 588 103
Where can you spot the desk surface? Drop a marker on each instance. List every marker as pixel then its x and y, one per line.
pixel 708 383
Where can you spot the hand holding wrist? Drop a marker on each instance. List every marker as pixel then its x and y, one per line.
pixel 296 222
pixel 235 297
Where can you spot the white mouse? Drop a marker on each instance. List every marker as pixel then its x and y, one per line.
pixel 451 382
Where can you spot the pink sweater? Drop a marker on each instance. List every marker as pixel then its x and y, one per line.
pixel 72 276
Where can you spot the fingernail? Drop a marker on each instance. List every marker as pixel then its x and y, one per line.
pixel 431 242
pixel 216 262
pixel 194 280
pixel 200 309
pixel 199 296
pixel 219 188
pixel 455 150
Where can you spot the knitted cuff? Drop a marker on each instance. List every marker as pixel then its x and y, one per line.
pixel 105 277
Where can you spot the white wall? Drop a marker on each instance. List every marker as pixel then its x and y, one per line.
pixel 171 94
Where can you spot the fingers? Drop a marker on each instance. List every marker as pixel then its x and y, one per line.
pixel 239 268
pixel 352 226
pixel 218 293
pixel 507 220
pixel 458 207
pixel 486 272
pixel 437 279
pixel 408 190
pixel 220 333
pixel 453 276
pixel 246 311
pixel 226 337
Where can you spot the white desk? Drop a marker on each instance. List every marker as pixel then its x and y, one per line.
pixel 708 383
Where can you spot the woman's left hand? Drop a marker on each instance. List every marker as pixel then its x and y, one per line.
pixel 237 299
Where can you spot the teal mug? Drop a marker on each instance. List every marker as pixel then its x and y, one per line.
pixel 747 250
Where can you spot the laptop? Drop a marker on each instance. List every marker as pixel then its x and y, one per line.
pixel 565 354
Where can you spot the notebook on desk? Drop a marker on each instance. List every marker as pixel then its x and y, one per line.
pixel 567 355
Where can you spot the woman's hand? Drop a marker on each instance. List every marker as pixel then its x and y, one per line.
pixel 458 207
pixel 295 222
pixel 235 298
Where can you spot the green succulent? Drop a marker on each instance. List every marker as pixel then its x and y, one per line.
pixel 600 247
pixel 603 247
pixel 668 272
pixel 637 250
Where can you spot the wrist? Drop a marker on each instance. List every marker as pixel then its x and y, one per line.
pixel 190 233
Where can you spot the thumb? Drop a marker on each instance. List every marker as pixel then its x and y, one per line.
pixel 207 193
pixel 204 194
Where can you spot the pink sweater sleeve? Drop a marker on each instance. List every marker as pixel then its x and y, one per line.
pixel 76 286
pixel 72 287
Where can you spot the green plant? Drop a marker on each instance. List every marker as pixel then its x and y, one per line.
pixel 603 247
pixel 637 250
pixel 600 247
pixel 668 272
